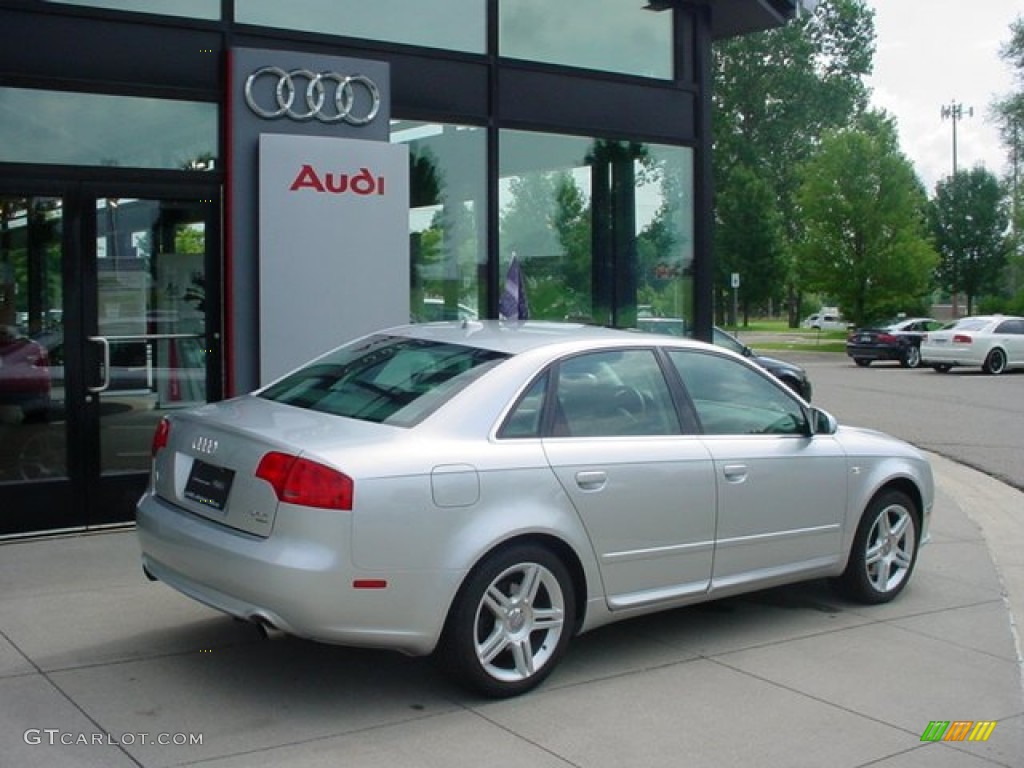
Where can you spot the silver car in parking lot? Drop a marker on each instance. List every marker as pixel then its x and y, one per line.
pixel 488 490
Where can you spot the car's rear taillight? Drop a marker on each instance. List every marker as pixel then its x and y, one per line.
pixel 161 436
pixel 886 338
pixel 962 338
pixel 301 481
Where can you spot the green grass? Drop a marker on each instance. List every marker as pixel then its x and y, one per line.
pixel 791 339
pixel 823 346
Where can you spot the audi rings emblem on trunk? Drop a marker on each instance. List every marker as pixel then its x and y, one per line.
pixel 343 106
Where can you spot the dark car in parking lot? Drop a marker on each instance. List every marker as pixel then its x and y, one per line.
pixel 895 340
pixel 793 376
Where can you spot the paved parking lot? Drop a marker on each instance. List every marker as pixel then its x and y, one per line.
pixel 98 666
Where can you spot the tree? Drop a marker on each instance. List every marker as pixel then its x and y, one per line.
pixel 751 240
pixel 864 211
pixel 775 94
pixel 969 219
pixel 1010 114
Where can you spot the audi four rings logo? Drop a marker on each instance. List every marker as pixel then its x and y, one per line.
pixel 342 106
pixel 205 445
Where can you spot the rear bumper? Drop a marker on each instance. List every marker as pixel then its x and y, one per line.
pixel 949 356
pixel 875 353
pixel 299 580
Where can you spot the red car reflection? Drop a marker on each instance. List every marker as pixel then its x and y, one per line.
pixel 24 374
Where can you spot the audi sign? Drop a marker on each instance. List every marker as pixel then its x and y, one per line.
pixel 342 106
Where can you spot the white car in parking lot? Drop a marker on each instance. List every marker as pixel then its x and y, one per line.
pixel 994 343
pixel 825 321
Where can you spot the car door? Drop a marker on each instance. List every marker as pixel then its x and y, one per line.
pixel 644 491
pixel 781 491
pixel 1011 335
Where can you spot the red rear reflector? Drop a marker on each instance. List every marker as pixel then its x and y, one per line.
pixel 161 436
pixel 305 482
pixel 962 338
pixel 370 584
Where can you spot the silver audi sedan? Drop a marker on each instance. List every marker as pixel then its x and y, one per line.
pixel 485 491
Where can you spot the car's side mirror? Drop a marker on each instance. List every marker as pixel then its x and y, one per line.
pixel 824 423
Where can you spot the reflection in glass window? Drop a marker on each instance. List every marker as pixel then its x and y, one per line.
pixel 384 379
pixel 93 129
pixel 734 399
pixel 613 394
pixel 193 9
pixel 455 25
pixel 607 35
pixel 447 204
pixel 32 416
pixel 602 230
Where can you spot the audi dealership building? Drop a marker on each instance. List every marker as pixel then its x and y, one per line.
pixel 197 195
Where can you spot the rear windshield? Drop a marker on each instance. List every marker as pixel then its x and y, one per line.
pixel 385 379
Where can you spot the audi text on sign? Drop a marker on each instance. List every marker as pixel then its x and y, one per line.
pixel 490 490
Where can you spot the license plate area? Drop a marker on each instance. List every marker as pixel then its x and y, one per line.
pixel 209 485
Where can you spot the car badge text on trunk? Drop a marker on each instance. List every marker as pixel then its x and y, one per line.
pixel 205 445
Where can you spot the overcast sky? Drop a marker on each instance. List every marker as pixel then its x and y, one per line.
pixel 931 53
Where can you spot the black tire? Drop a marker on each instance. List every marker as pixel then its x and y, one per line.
pixel 863 362
pixel 884 550
pixel 498 643
pixel 995 363
pixel 911 357
pixel 942 367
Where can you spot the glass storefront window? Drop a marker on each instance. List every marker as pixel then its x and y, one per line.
pixel 192 9
pixel 607 35
pixel 454 25
pixel 602 230
pixel 33 445
pixel 447 219
pixel 58 127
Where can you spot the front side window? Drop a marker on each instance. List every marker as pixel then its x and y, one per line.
pixel 607 35
pixel 447 219
pixel 602 231
pixel 384 379
pixel 731 398
pixel 66 128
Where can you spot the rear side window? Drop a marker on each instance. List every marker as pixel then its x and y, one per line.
pixel 384 379
pixel 1010 326
pixel 610 393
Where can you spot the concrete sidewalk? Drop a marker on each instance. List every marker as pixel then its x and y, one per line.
pixel 93 654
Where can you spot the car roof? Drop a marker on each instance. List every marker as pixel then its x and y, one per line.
pixel 515 337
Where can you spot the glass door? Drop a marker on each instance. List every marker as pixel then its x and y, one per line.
pixel 151 341
pixel 109 317
pixel 33 408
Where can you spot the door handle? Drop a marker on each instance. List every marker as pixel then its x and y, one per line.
pixel 735 473
pixel 105 344
pixel 591 480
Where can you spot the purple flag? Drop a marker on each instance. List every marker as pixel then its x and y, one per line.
pixel 512 304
